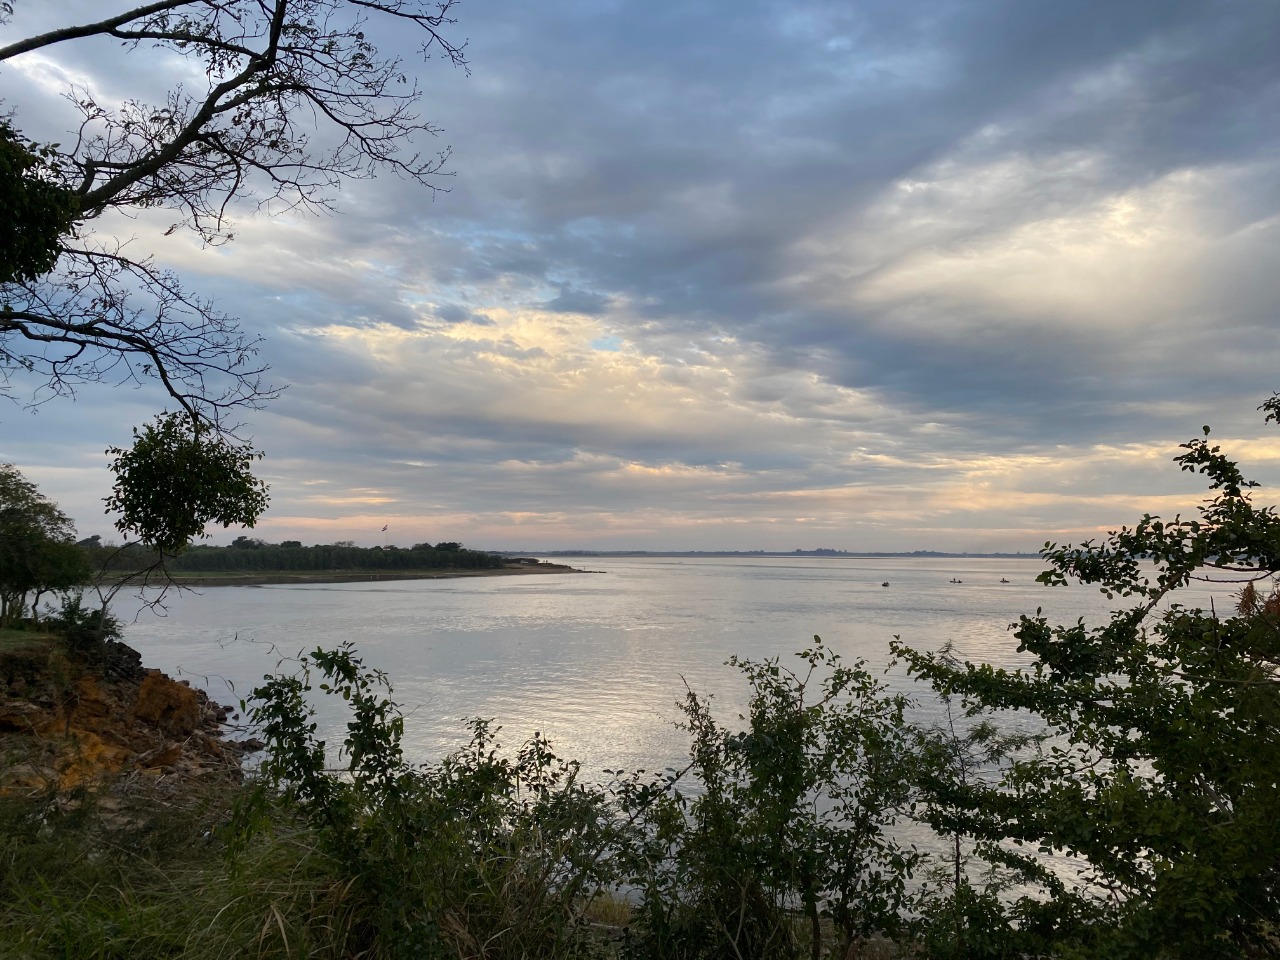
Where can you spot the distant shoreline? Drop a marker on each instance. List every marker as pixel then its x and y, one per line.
pixel 262 578
pixel 777 555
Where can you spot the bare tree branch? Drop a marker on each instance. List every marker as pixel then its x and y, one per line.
pixel 82 323
pixel 297 100
pixel 107 26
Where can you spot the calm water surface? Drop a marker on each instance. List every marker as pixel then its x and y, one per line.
pixel 596 661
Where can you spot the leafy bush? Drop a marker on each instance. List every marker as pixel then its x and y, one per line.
pixel 482 855
pixel 1160 779
pixel 85 630
pixel 789 836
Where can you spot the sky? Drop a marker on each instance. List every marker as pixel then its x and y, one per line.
pixel 735 274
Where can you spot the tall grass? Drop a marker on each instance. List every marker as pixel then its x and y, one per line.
pixel 81 877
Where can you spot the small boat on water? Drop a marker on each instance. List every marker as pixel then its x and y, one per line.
pixel 885 584
pixel 954 580
pixel 1003 580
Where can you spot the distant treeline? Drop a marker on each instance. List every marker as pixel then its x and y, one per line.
pixel 247 554
pixel 819 552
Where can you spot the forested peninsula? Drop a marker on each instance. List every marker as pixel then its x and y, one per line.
pixel 249 560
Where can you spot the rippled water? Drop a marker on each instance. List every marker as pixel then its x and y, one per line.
pixel 596 661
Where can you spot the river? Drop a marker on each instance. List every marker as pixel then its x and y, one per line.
pixel 596 661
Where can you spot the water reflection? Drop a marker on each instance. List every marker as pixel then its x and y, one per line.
pixel 597 661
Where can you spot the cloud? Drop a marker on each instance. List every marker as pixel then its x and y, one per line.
pixel 912 275
pixel 572 300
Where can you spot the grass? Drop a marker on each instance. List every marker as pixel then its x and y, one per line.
pixel 136 870
pixel 12 641
pixel 77 880
pixel 609 910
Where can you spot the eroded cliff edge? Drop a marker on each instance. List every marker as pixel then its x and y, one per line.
pixel 75 718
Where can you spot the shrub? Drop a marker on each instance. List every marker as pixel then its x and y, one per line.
pixel 1161 776
pixel 481 855
pixel 789 836
pixel 85 630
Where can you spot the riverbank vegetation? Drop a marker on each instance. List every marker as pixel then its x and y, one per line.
pixel 40 557
pixel 247 555
pixel 1138 818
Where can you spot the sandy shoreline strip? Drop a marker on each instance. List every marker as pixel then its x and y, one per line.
pixel 257 578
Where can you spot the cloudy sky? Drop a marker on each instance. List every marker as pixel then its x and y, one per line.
pixel 879 275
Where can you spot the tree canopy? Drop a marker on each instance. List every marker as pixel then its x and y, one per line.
pixel 295 99
pixel 177 478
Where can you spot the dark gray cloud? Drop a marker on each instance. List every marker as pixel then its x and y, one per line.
pixel 776 141
pixel 572 300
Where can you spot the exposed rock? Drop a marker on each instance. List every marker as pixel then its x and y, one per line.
pixel 65 722
pixel 23 667
pixel 122 663
pixel 20 716
pixel 165 755
pixel 171 707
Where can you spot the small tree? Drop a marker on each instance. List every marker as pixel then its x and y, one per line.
pixel 962 914
pixel 793 820
pixel 177 478
pixel 1161 775
pixel 38 552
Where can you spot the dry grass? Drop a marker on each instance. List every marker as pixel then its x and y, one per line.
pixel 609 910
pixel 139 870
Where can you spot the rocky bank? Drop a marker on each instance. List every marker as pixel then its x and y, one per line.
pixel 69 720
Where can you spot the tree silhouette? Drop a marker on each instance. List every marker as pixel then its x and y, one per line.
pixel 296 99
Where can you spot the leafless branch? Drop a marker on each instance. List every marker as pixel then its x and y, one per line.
pixel 297 99
pixel 102 316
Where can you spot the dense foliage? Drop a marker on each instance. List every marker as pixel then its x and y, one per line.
pixel 38 553
pixel 1162 776
pixel 484 855
pixel 785 837
pixel 338 557
pixel 263 557
pixel 35 211
pixel 791 820
pixel 177 478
